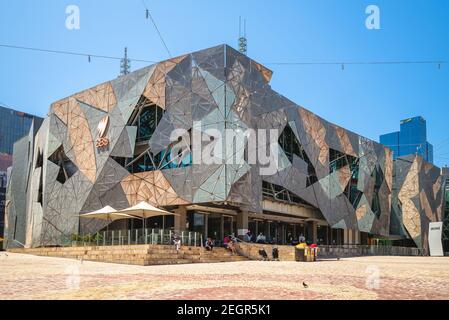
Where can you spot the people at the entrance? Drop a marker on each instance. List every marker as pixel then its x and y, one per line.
pixel 261 238
pixel 290 238
pixel 226 240
pixel 232 247
pixel 209 245
pixel 263 254
pixel 229 243
pixel 248 236
pixel 275 253
pixel 302 239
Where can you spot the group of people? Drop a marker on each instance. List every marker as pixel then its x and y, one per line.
pixel 295 241
pixel 229 242
pixel 261 238
pixel 264 255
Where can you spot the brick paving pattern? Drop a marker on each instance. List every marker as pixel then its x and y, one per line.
pixel 32 277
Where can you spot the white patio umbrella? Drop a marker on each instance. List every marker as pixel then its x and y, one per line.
pixel 107 213
pixel 145 210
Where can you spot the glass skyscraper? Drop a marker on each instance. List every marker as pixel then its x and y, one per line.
pixel 411 139
pixel 13 126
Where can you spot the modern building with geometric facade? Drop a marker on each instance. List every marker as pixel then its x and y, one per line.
pixel 113 145
pixel 13 126
pixel 417 198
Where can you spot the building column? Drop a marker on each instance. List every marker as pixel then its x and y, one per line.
pixel 312 231
pixel 357 237
pixel 346 236
pixel 181 220
pixel 242 222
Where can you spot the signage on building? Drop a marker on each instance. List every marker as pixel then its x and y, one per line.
pixel 435 239
pixel 102 130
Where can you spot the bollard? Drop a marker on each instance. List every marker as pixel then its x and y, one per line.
pixel 146 236
pixel 129 237
pixel 137 235
pixel 190 238
pixel 194 238
pixel 120 237
pixel 112 238
pixel 104 238
pixel 162 236
pixel 182 237
pixel 152 237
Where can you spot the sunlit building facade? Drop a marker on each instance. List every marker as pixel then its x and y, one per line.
pixel 113 145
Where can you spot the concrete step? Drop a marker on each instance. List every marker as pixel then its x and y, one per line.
pixel 138 254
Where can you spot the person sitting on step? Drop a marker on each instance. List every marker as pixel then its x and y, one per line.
pixel 209 245
pixel 177 242
pixel 232 247
pixel 263 254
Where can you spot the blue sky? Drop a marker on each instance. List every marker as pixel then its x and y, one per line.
pixel 367 99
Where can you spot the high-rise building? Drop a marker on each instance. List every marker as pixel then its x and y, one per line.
pixel 411 139
pixel 13 126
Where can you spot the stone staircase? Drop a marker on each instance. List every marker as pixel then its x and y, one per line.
pixel 142 255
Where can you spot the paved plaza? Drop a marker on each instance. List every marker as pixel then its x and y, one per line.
pixel 32 277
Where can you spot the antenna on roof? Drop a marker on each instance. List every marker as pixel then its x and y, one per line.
pixel 243 41
pixel 125 64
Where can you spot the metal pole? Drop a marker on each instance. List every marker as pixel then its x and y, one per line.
pixel 162 236
pixel 194 236
pixel 120 237
pixel 182 237
pixel 104 238
pixel 97 239
pixel 112 237
pixel 190 238
pixel 146 236
pixel 137 235
pixel 144 225
pixel 152 236
pixel 129 237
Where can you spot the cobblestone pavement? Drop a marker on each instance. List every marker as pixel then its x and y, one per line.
pixel 31 277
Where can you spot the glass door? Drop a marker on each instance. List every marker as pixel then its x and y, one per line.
pixel 214 227
pixel 228 225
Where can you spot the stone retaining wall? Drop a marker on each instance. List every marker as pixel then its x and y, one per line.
pixel 251 251
pixel 287 253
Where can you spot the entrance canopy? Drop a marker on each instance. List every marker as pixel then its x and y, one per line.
pixel 107 213
pixel 145 210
